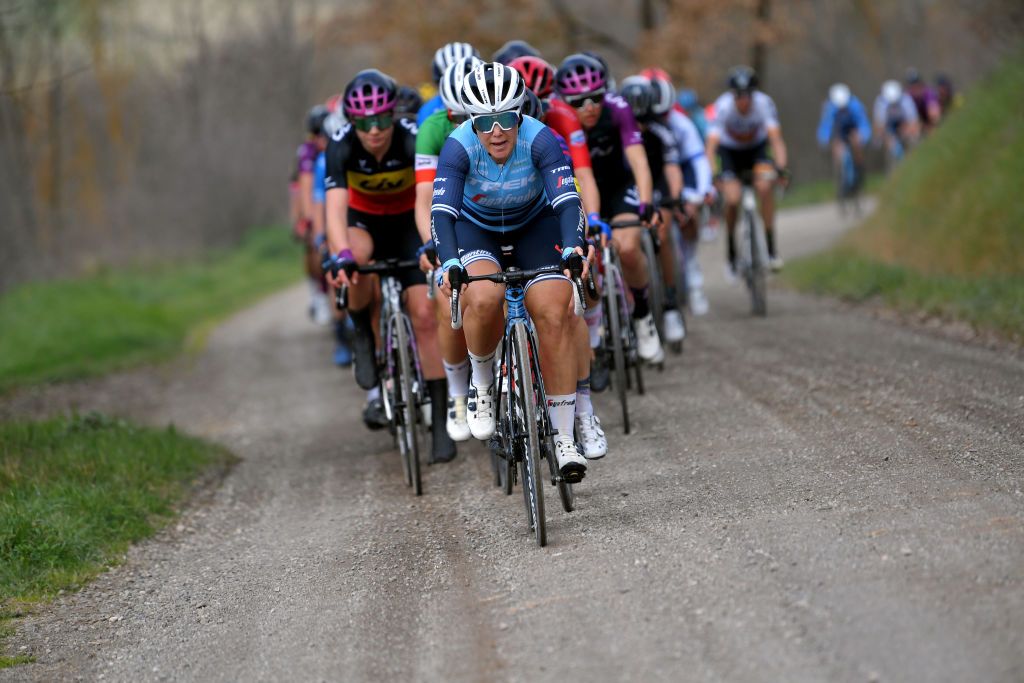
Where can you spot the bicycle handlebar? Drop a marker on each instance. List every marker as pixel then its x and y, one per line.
pixel 391 266
pixel 458 277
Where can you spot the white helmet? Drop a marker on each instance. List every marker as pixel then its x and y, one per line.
pixel 450 87
pixel 892 91
pixel 452 52
pixel 493 88
pixel 333 124
pixel 839 95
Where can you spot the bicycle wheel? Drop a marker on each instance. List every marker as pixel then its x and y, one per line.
pixel 614 337
pixel 522 395
pixel 679 281
pixel 758 267
pixel 655 287
pixel 409 405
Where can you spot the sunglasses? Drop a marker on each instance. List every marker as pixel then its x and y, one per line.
pixel 367 123
pixel 594 98
pixel 485 123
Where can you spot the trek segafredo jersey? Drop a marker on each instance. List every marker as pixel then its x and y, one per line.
pixel 503 197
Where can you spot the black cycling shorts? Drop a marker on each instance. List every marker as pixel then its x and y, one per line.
pixel 735 162
pixel 621 199
pixel 533 246
pixel 394 236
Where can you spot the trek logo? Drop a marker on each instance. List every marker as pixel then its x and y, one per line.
pixel 514 184
pixel 558 170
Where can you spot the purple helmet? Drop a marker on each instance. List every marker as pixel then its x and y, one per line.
pixel 370 92
pixel 580 75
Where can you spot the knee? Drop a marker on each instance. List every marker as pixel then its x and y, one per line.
pixel 629 250
pixel 422 315
pixel 481 297
pixel 551 319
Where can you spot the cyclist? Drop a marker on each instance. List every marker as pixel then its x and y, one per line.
pixel 896 122
pixel 512 49
pixel 319 307
pixel 745 125
pixel 370 213
pixel 844 122
pixel 949 98
pixel 538 75
pixel 342 325
pixel 698 190
pixel 504 196
pixel 690 106
pixel 443 58
pixel 429 141
pixel 408 103
pixel 622 174
pixel 929 111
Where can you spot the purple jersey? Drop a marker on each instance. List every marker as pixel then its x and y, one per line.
pixel 306 155
pixel 614 131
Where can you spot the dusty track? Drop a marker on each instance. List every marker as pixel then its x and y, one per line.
pixel 819 495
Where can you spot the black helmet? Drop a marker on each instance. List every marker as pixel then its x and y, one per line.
pixel 532 106
pixel 638 91
pixel 315 119
pixel 913 76
pixel 742 79
pixel 512 49
pixel 408 102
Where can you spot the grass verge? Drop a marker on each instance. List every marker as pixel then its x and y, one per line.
pixel 76 492
pixel 946 239
pixel 69 329
pixel 822 191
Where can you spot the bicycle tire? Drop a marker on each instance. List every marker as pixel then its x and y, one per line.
pixel 682 288
pixel 758 269
pixel 655 286
pixel 533 491
pixel 614 336
pixel 410 406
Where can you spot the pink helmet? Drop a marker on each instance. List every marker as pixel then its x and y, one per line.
pixel 370 92
pixel 580 74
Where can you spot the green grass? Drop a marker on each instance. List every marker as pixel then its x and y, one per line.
pixel 76 492
pixel 68 329
pixel 948 236
pixel 821 191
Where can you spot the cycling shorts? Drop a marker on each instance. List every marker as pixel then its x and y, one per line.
pixel 735 162
pixel 394 236
pixel 622 199
pixel 532 246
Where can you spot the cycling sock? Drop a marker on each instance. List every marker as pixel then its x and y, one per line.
pixel 483 369
pixel 583 404
pixel 341 332
pixel 640 306
pixel 458 377
pixel 373 394
pixel 731 250
pixel 593 319
pixel 437 389
pixel 671 300
pixel 314 286
pixel 562 412
pixel 770 236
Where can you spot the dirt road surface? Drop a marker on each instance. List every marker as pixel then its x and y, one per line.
pixel 819 495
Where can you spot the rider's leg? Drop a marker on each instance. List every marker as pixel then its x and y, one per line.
pixel 547 301
pixel 592 437
pixel 634 271
pixel 361 295
pixel 689 231
pixel 455 360
pixel 764 184
pixel 731 192
pixel 483 323
pixel 424 324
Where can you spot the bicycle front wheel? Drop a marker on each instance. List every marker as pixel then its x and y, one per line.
pixel 613 312
pixel 655 287
pixel 522 393
pixel 410 410
pixel 758 266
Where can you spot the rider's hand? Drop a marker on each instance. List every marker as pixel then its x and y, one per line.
pixel 444 282
pixel 647 213
pixel 427 256
pixel 784 177
pixel 336 272
pixel 566 253
pixel 596 227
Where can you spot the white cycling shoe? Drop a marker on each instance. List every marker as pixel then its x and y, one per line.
pixel 647 343
pixel 480 413
pixel 698 302
pixel 457 424
pixel 320 309
pixel 571 464
pixel 775 263
pixel 672 322
pixel 595 445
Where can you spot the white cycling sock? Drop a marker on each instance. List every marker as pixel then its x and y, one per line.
pixel 593 319
pixel 458 378
pixel 561 411
pixel 583 403
pixel 373 394
pixel 483 369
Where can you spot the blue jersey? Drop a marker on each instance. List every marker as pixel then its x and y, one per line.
pixel 429 107
pixel 839 123
pixel 470 186
pixel 319 174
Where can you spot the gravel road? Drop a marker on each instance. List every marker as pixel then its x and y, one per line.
pixel 819 495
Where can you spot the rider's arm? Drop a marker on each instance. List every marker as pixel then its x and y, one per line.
pixel 778 146
pixel 828 113
pixel 449 185
pixel 674 179
pixel 558 177
pixel 863 124
pixel 588 190
pixel 336 197
pixel 637 159
pixel 712 150
pixel 306 195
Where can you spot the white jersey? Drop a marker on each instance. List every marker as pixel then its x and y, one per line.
pixel 691 151
pixel 896 113
pixel 736 131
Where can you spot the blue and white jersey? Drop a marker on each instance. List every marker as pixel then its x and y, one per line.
pixel 470 186
pixel 319 176
pixel 696 167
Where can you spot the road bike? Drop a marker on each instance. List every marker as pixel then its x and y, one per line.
pixel 752 247
pixel 847 178
pixel 401 378
pixel 523 432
